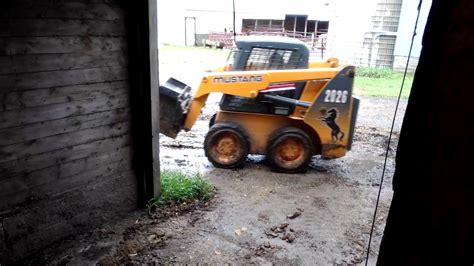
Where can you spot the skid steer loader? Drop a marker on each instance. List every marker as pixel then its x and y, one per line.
pixel 275 103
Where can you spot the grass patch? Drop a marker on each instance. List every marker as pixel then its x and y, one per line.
pixel 178 187
pixel 381 82
pixel 372 72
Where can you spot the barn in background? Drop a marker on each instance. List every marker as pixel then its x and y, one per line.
pixel 370 33
pixel 76 146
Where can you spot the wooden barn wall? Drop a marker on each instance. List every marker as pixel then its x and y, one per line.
pixel 65 144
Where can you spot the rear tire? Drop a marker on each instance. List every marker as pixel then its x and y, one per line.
pixel 289 150
pixel 226 145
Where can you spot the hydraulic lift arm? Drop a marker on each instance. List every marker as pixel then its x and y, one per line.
pixel 248 84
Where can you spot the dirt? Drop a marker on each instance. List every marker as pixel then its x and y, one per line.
pixel 322 216
pixel 337 196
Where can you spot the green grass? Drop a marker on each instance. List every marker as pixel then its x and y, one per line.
pixel 179 187
pixel 381 83
pixel 372 72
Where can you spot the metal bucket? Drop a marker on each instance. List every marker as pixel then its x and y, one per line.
pixel 175 98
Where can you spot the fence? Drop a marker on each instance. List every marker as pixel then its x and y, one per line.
pixel 373 49
pixel 316 42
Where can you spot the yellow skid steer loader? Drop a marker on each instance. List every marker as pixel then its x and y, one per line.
pixel 275 103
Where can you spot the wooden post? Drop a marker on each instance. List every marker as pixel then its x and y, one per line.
pixel 294 27
pixel 154 87
pixel 195 37
pixel 305 26
pixel 186 31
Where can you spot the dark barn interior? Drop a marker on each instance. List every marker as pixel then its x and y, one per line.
pixel 75 118
pixel 431 218
pixel 79 146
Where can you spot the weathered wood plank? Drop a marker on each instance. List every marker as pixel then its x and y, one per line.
pixel 64 185
pixel 56 111
pixel 61 27
pixel 75 182
pixel 40 80
pixel 5 29
pixel 3 242
pixel 15 190
pixel 60 45
pixel 56 142
pixel 115 3
pixel 52 62
pixel 6 64
pixel 32 98
pixel 60 126
pixel 96 162
pixel 45 160
pixel 45 221
pixel 70 158
pixel 63 9
pixel 2 98
pixel 77 169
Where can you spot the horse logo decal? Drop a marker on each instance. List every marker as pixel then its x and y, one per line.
pixel 329 117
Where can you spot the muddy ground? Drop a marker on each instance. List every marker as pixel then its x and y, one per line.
pixel 335 200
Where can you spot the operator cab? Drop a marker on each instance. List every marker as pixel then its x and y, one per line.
pixel 266 53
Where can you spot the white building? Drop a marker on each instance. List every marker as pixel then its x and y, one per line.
pixel 179 18
pixel 405 32
pixel 377 33
pixel 374 33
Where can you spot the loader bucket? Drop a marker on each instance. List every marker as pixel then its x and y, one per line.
pixel 175 98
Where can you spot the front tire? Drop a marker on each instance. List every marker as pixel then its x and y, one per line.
pixel 226 145
pixel 289 150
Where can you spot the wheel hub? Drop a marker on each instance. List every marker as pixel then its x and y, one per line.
pixel 226 148
pixel 290 151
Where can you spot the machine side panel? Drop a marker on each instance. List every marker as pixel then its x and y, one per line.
pixel 258 126
pixel 330 114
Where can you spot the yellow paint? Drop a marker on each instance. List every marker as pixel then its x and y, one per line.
pixel 221 69
pixel 331 62
pixel 210 84
pixel 259 127
pixel 194 111
pixel 311 90
pixel 331 151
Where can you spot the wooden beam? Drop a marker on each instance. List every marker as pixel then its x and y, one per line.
pixel 154 87
pixel 33 163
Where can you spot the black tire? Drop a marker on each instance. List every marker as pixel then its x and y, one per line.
pixel 226 145
pixel 289 150
pixel 212 121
